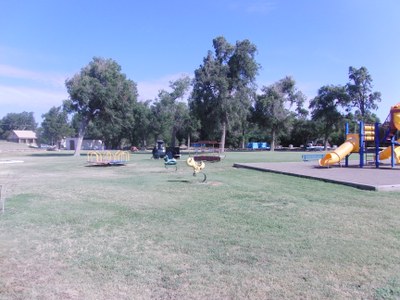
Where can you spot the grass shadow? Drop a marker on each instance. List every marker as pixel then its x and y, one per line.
pixel 50 154
pixel 179 180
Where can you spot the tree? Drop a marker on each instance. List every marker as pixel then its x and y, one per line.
pixel 100 92
pixel 224 87
pixel 303 131
pixel 17 121
pixel 113 134
pixel 141 129
pixel 273 111
pixel 360 92
pixel 168 113
pixel 325 109
pixel 190 127
pixel 55 125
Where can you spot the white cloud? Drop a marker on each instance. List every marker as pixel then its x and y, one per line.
pixel 16 99
pixel 49 78
pixel 148 90
pixel 28 90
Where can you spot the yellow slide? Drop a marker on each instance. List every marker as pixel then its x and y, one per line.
pixel 387 153
pixel 350 145
pixel 395 113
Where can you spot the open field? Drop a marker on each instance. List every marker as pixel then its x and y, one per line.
pixel 141 231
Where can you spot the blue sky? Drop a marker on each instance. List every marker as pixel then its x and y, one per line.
pixel 45 42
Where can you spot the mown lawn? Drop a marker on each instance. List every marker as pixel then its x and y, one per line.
pixel 141 231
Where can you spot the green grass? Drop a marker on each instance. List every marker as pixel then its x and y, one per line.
pixel 142 231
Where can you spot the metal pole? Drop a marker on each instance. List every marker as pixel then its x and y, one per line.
pixel 361 144
pixel 346 131
pixel 377 141
pixel 392 142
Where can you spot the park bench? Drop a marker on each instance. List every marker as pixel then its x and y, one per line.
pixel 308 157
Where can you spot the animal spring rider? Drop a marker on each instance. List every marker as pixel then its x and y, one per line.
pixel 170 162
pixel 197 167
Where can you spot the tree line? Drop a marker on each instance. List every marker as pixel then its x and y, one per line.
pixel 221 103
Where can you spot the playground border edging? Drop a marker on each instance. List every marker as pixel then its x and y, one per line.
pixel 348 176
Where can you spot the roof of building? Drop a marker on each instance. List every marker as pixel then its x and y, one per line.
pixel 25 134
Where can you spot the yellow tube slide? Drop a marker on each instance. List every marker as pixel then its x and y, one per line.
pixel 387 152
pixel 334 157
pixel 396 115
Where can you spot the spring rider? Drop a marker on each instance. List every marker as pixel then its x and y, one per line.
pixel 197 168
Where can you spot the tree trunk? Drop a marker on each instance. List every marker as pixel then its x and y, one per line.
pixel 144 143
pixel 273 138
pixel 223 136
pixel 326 143
pixel 173 136
pixel 188 141
pixel 81 134
pixel 243 139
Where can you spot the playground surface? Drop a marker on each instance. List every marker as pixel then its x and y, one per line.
pixel 369 177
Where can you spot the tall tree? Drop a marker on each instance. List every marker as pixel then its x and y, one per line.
pixel 360 92
pixel 168 112
pixel 273 108
pixel 100 91
pixel 224 86
pixel 55 125
pixel 303 131
pixel 141 129
pixel 190 127
pixel 325 109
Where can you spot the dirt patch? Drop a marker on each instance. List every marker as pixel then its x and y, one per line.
pixel 214 183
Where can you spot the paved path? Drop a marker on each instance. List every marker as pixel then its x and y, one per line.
pixel 367 178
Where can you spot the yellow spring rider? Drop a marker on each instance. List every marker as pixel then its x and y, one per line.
pixel 197 166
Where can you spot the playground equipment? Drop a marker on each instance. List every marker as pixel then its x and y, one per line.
pixel 170 162
pixel 349 146
pixel 197 166
pixel 108 158
pixel 387 153
pixel 159 150
pixel 376 134
pixel 207 151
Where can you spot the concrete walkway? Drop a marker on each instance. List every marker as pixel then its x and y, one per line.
pixel 384 178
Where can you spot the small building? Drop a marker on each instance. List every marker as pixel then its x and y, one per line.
pixel 23 137
pixel 70 144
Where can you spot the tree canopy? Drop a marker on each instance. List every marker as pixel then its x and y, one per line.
pixel 325 109
pixel 273 108
pixel 360 92
pixel 168 113
pixel 224 87
pixel 100 92
pixel 55 125
pixel 223 105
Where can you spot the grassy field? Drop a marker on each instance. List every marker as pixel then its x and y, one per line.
pixel 141 231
